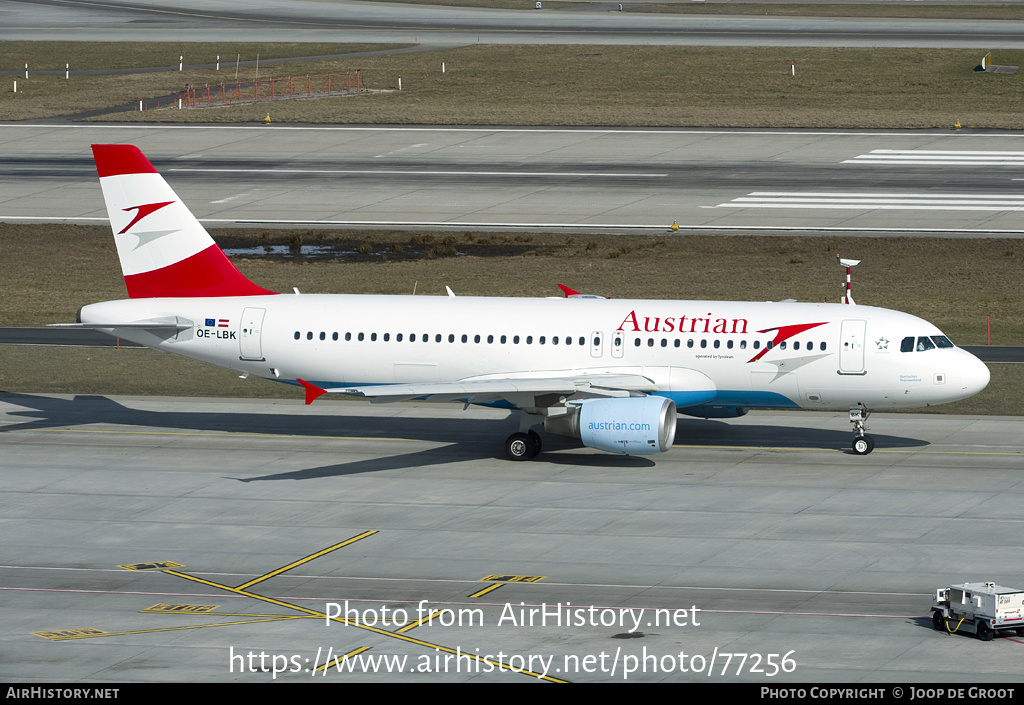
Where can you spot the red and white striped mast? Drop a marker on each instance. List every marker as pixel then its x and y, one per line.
pixel 849 264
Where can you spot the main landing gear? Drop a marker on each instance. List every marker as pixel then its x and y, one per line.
pixel 862 443
pixel 523 446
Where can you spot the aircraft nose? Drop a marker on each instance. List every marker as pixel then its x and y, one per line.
pixel 973 374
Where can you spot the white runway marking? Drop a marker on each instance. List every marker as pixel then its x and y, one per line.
pixel 938 157
pixel 878 201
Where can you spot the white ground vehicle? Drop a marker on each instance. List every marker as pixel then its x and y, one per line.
pixel 985 609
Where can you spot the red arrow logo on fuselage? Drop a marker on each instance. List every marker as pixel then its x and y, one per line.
pixel 142 211
pixel 784 333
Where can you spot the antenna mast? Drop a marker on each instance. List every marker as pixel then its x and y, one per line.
pixel 849 264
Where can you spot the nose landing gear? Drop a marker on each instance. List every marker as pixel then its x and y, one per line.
pixel 862 443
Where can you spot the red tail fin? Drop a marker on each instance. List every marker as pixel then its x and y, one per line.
pixel 164 250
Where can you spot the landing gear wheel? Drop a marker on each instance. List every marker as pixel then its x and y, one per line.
pixel 984 632
pixel 533 438
pixel 938 622
pixel 517 446
pixel 862 445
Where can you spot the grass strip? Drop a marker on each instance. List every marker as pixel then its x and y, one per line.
pixel 589 85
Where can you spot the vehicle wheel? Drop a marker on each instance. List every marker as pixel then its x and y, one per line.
pixel 862 445
pixel 1020 631
pixel 938 621
pixel 984 632
pixel 535 444
pixel 517 446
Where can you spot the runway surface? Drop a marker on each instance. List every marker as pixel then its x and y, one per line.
pixel 599 23
pixel 152 539
pixel 600 179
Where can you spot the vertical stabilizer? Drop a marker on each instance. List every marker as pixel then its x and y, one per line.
pixel 164 250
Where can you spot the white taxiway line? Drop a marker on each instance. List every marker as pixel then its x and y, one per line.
pixel 617 227
pixel 735 132
pixel 410 172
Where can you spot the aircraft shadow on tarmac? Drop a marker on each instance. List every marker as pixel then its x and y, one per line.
pixel 466 439
pixel 706 432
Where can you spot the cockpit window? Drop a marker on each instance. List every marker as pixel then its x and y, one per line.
pixel 922 343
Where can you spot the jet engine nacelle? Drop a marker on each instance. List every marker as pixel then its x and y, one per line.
pixel 630 426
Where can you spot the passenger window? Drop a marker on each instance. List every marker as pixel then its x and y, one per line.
pixel 718 344
pixel 387 337
pixel 360 337
pixel 451 337
pixel 743 345
pixel 541 339
pixel 529 340
pixel 297 336
pixel 703 343
pixel 503 339
pixel 636 342
pixel 373 337
pixel 515 340
pixel 437 338
pixel 822 345
pixel 323 336
pixel 309 335
pixel 348 337
pixel 412 337
pixel 757 345
pixel 398 337
pixel 677 342
pixel 334 336
pixel 465 338
pixel 664 342
pixel 689 343
pixel 728 344
pixel 490 339
pixel 583 340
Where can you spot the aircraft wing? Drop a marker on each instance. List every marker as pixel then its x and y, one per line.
pixel 519 391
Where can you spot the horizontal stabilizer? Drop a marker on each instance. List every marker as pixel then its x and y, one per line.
pixel 152 324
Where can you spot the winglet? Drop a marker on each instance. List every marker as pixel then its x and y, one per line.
pixel 312 391
pixel 567 291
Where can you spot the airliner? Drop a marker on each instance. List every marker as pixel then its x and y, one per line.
pixel 613 373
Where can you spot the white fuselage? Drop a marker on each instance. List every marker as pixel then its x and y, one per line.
pixel 822 356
